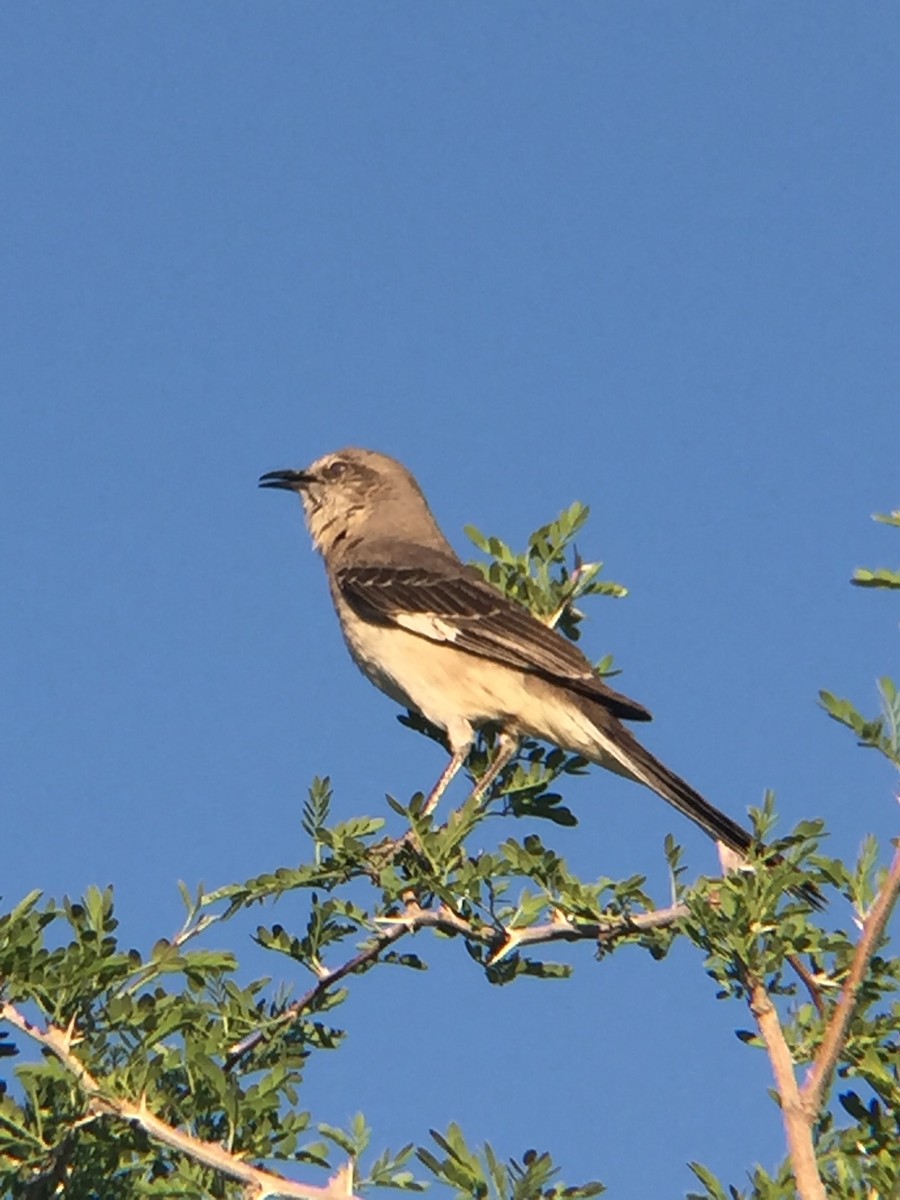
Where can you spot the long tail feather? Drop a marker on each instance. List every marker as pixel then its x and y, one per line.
pixel 620 751
pixel 641 765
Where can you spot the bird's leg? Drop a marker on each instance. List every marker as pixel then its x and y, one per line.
pixel 459 757
pixel 507 748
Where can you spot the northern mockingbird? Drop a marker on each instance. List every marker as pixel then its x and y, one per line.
pixel 431 633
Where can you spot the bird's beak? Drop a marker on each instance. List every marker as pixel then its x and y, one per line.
pixel 290 481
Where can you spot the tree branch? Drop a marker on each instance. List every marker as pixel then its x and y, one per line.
pixel 801 1105
pixel 813 1091
pixel 501 941
pixel 263 1183
pixel 558 929
pixel 797 1122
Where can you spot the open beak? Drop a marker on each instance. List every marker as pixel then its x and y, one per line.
pixel 290 481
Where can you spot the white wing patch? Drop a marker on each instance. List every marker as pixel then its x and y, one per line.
pixel 427 625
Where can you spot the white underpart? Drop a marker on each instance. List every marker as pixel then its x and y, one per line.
pixel 418 666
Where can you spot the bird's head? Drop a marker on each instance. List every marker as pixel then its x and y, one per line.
pixel 354 493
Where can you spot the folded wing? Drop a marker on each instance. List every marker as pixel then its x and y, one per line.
pixel 457 606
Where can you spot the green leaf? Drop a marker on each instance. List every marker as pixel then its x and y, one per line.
pixel 714 1189
pixel 341 1139
pixel 879 578
pixel 477 538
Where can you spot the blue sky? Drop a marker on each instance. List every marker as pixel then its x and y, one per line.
pixel 641 255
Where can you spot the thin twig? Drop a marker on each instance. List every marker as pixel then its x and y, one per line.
pixel 325 981
pixel 210 1154
pixel 808 979
pixel 142 975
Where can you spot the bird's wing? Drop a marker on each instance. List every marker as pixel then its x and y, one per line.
pixel 461 609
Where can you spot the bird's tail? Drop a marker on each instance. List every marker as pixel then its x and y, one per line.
pixel 630 758
pixel 618 750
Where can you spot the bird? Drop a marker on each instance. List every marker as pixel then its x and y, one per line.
pixel 430 632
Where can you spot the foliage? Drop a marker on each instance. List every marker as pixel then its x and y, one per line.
pixel 881 577
pixel 882 732
pixel 166 1073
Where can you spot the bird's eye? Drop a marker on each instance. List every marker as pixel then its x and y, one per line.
pixel 335 470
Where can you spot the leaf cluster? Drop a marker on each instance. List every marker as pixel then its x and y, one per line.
pixel 474 1175
pixel 540 579
pixel 881 577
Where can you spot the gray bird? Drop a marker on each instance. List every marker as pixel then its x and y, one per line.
pixel 434 636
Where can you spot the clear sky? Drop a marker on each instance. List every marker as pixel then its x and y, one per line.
pixel 644 255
